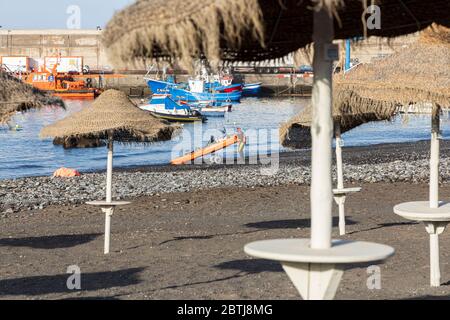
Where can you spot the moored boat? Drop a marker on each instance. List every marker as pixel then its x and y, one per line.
pixel 252 89
pixel 193 91
pixel 225 88
pixel 162 106
pixel 209 108
pixel 181 94
pixel 63 85
pixel 159 86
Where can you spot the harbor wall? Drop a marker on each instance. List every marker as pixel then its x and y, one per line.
pixel 274 84
pixel 38 44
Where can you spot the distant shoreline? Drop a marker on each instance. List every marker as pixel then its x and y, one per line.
pixel 378 153
pixel 355 155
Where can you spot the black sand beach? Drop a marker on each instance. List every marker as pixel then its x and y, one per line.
pixel 189 243
pixel 190 246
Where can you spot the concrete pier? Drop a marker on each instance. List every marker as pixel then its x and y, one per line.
pixel 38 44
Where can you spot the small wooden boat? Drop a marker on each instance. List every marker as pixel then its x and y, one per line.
pixel 216 146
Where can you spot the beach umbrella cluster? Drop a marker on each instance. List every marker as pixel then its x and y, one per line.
pixel 255 30
pixel 112 118
pixel 17 96
pixel 415 78
pixel 251 30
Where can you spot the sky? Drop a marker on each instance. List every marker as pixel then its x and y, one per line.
pixel 58 14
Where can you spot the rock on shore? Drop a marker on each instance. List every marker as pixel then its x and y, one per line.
pixel 38 192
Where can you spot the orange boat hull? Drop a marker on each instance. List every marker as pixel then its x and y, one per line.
pixel 75 95
pixel 206 150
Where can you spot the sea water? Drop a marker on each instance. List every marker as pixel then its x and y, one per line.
pixel 23 153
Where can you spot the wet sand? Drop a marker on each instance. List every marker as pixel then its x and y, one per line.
pixel 190 246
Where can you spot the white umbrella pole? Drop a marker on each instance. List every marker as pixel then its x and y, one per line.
pixel 321 133
pixel 109 168
pixel 340 177
pixel 434 158
pixel 109 211
pixel 339 168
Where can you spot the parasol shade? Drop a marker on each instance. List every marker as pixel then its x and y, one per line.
pixel 250 30
pixel 349 110
pixel 418 74
pixel 112 113
pixel 16 96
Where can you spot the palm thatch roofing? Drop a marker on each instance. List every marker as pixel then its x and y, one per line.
pixel 418 74
pixel 112 113
pixel 17 96
pixel 250 30
pixel 349 111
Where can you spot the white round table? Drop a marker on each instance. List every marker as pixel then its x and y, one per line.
pixel 435 220
pixel 108 210
pixel 316 273
pixel 339 195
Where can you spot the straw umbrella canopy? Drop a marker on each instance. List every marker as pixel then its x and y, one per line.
pixel 255 30
pixel 251 30
pixel 376 91
pixel 350 110
pixel 417 74
pixel 112 117
pixel 17 96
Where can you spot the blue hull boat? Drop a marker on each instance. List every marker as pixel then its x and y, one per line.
pixel 252 89
pixel 162 106
pixel 159 86
pixel 185 95
pixel 165 87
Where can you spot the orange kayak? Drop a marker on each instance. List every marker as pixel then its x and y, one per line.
pixel 206 150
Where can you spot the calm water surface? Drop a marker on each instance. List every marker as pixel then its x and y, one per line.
pixel 23 153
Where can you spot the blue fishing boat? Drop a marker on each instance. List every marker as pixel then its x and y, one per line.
pixel 252 89
pixel 164 107
pixel 189 96
pixel 216 86
pixel 159 86
pixel 193 91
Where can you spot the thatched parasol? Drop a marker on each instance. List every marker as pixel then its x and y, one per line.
pixel 250 30
pixel 416 74
pixel 112 117
pixel 255 30
pixel 349 111
pixel 17 96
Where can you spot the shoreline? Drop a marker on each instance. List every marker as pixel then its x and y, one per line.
pixel 377 153
pixel 388 163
